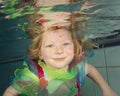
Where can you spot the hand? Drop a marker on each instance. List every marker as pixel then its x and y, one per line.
pixel 110 92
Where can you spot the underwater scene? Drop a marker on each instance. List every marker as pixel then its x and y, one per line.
pixel 103 26
pixel 99 20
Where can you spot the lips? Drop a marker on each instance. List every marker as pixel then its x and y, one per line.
pixel 59 59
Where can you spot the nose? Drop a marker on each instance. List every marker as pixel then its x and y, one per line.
pixel 59 50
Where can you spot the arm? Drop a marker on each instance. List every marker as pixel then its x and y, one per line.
pixel 99 80
pixel 10 91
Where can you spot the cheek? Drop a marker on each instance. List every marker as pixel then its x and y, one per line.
pixel 45 54
pixel 70 51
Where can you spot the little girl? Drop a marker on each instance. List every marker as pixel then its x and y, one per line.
pixel 55 64
pixel 56 67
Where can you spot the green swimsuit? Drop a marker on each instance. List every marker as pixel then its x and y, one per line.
pixel 41 80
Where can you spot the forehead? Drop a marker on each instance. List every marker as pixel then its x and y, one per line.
pixel 57 34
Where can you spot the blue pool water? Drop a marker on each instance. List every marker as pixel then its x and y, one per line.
pixel 105 29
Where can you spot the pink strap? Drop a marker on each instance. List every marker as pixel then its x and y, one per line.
pixel 40 71
pixel 43 82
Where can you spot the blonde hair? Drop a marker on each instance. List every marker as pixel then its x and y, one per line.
pixel 81 43
pixel 35 45
pixel 36 31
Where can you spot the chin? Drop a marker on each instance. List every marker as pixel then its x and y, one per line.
pixel 60 67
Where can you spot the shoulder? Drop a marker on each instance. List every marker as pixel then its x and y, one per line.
pixel 24 77
pixel 32 65
pixel 89 68
pixel 29 70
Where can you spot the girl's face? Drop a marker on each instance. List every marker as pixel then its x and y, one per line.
pixel 57 49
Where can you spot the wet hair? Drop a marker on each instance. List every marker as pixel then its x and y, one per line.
pixel 81 43
pixel 36 30
pixel 35 45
